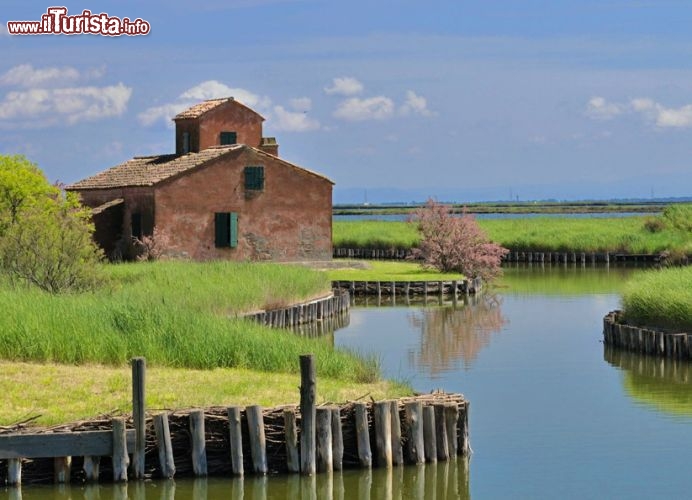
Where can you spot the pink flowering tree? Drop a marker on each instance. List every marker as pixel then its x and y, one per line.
pixel 455 244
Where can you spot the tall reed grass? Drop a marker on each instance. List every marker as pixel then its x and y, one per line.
pixel 660 298
pixel 176 314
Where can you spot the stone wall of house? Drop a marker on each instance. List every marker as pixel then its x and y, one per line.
pixel 289 220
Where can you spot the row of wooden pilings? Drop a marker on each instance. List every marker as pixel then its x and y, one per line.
pixel 335 305
pixel 309 439
pixel 409 288
pixel 674 345
pixel 512 256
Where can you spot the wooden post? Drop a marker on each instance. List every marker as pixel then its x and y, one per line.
pixel 383 433
pixel 120 458
pixel 258 445
pixel 429 439
pixel 199 446
pixel 441 431
pixel 363 435
pixel 307 414
pixel 291 432
pixel 451 418
pixel 139 368
pixel 163 441
pixel 464 447
pixel 91 467
pixel 235 439
pixel 397 450
pixel 323 430
pixel 14 471
pixel 62 468
pixel 414 424
pixel 337 439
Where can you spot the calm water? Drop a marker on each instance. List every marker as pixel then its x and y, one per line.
pixel 553 415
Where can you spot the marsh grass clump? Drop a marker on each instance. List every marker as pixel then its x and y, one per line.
pixel 660 298
pixel 176 314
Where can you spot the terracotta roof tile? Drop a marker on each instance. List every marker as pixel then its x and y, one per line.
pixel 150 170
pixel 199 109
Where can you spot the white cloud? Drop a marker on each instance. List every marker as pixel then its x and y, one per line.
pixel 25 75
pixel 210 89
pixel 651 110
pixel 345 86
pixel 372 108
pixel 301 104
pixel 293 121
pixel 600 109
pixel 35 108
pixel 415 104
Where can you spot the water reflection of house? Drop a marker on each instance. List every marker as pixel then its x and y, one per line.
pixel 450 334
pixel 224 193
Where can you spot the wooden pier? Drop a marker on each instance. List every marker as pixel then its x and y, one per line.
pixel 234 441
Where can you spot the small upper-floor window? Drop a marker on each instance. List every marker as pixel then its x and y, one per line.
pixel 227 138
pixel 186 142
pixel 254 178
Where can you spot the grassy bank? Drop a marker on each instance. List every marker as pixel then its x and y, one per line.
pixel 621 234
pixel 388 271
pixel 37 390
pixel 176 314
pixel 660 299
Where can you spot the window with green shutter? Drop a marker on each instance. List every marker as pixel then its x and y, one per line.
pixel 226 229
pixel 227 138
pixel 254 178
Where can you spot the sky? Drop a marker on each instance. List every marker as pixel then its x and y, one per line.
pixel 395 101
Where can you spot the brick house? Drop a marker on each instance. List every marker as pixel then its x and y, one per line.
pixel 224 194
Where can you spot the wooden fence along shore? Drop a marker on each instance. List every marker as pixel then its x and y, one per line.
pixel 409 288
pixel 674 345
pixel 304 439
pixel 333 307
pixel 512 256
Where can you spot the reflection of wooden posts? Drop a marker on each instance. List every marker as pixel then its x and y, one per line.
pixel 307 414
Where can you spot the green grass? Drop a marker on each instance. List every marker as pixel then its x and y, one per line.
pixel 660 298
pixel 31 389
pixel 550 234
pixel 389 271
pixel 176 314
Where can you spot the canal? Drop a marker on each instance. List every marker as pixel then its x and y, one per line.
pixel 553 415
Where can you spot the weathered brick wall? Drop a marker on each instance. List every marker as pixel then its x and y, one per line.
pixel 228 117
pixel 289 220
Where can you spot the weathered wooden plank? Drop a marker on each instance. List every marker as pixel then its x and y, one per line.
pixel 441 431
pixel 451 419
pixel 291 433
pixel 199 446
pixel 236 439
pixel 165 448
pixel 397 448
pixel 139 368
pixel 337 439
pixel 323 428
pixel 363 435
pixel 383 433
pixel 429 438
pixel 62 444
pixel 414 424
pixel 308 394
pixel 258 444
pixel 121 460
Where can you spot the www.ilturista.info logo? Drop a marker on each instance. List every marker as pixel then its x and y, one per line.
pixel 56 22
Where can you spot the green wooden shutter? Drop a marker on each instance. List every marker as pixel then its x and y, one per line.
pixel 233 229
pixel 254 178
pixel 222 229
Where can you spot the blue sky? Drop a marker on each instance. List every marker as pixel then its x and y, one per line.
pixel 461 100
